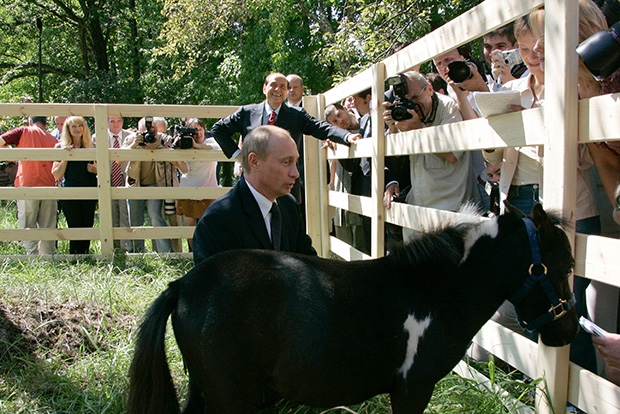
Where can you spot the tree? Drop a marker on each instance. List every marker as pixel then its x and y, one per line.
pixel 191 51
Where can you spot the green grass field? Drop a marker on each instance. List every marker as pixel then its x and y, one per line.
pixel 67 332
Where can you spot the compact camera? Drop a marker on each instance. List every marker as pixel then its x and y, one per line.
pixel 511 57
pixel 601 52
pixel 183 136
pixel 401 105
pixel 150 135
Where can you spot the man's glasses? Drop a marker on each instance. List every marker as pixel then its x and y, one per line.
pixel 417 95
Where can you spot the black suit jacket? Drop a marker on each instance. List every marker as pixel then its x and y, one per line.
pixel 234 221
pixel 295 120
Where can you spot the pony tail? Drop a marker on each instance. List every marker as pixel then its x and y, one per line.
pixel 151 389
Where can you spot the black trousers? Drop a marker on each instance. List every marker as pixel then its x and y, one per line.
pixel 79 213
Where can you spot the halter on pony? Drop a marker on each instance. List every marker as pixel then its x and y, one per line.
pixel 559 307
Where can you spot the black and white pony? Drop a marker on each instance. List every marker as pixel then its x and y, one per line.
pixel 255 325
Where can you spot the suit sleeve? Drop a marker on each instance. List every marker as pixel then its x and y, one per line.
pixel 321 129
pixel 225 128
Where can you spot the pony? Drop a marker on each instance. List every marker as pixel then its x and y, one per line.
pixel 254 326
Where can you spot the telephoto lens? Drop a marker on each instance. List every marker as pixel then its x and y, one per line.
pixel 459 71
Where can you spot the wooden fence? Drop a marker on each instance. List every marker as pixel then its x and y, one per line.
pixel 562 124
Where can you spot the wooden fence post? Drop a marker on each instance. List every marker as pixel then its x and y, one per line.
pixel 560 167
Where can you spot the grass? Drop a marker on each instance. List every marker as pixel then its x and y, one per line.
pixel 67 331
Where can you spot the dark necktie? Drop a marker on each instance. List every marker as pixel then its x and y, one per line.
pixel 117 176
pixel 272 118
pixel 276 226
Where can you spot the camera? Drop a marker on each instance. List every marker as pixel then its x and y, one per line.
pixel 401 105
pixel 510 57
pixel 460 70
pixel 150 135
pixel 183 136
pixel 601 52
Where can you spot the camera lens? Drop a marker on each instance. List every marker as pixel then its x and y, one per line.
pixel 459 71
pixel 399 112
pixel 601 52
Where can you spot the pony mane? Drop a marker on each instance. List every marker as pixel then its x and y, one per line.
pixel 447 242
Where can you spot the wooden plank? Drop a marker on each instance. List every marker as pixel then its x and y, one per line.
pixel 597 258
pixel 104 183
pixel 560 169
pixel 346 251
pixel 599 118
pixel 326 213
pixel 377 161
pixel 93 233
pixel 592 393
pixel 472 24
pixel 509 346
pixel 314 180
pixel 47 154
pixel 357 204
pixel 125 110
pixel 362 81
pixel 44 154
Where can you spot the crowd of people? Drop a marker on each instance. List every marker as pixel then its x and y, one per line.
pixel 447 180
pixel 265 208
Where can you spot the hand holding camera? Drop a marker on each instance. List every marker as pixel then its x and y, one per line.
pixel 466 74
pixel 183 137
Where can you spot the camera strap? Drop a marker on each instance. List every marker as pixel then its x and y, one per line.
pixel 431 116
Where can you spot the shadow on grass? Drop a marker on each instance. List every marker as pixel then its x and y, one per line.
pixel 29 380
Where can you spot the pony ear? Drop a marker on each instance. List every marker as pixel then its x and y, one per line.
pixel 513 210
pixel 540 219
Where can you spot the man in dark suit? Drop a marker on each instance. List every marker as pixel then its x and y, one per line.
pixel 243 218
pixel 295 120
pixel 272 111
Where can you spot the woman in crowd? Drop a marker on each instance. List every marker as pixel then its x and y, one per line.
pixel 521 171
pixel 79 213
pixel 602 299
pixel 197 174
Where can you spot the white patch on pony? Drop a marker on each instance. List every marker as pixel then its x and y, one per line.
pixel 488 227
pixel 415 328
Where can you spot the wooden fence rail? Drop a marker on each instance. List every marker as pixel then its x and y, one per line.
pixel 559 127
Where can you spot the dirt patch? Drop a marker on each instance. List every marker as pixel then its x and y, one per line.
pixel 65 329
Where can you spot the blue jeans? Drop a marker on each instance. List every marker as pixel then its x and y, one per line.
pixel 524 197
pixel 136 219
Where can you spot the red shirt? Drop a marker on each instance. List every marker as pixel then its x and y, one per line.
pixel 32 173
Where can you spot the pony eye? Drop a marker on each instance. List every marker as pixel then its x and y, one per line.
pixel 570 272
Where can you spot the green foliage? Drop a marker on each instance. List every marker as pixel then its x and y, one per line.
pixel 196 52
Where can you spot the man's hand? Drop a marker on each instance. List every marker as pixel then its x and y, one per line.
pixel 501 71
pixel 401 126
pixel 352 138
pixel 392 191
pixel 475 83
pixel 91 167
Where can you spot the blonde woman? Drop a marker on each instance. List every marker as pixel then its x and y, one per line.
pixel 79 213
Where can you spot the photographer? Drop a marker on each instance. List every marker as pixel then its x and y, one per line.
pixel 196 174
pixel 462 75
pixel 441 180
pixel 149 174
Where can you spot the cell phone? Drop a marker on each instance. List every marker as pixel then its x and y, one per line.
pixel 591 327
